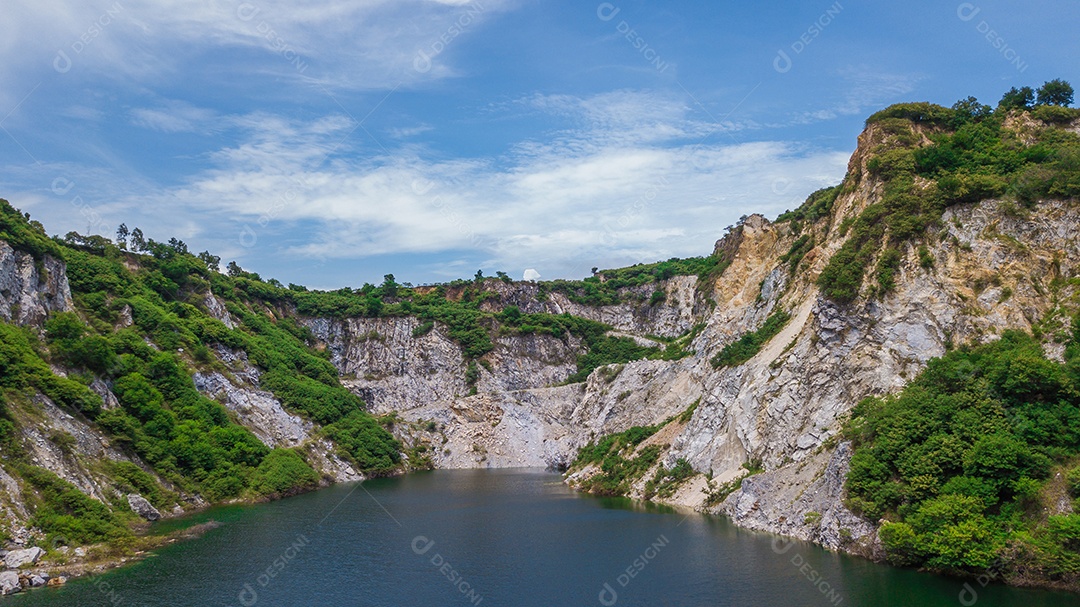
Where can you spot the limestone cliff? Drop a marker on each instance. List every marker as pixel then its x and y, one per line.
pixel 30 289
pixel 762 436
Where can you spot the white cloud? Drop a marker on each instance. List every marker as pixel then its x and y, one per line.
pixel 354 44
pixel 626 186
pixel 174 117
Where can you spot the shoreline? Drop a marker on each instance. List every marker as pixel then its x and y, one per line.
pixel 147 545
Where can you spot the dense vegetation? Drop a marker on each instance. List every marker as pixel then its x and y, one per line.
pixel 609 287
pixel 620 463
pixel 975 152
pixel 186 438
pixel 969 464
pixel 744 348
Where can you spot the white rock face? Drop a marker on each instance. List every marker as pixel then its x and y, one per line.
pixel 257 410
pixel 70 458
pixel 778 408
pixel 30 290
pixel 217 309
pixel 141 506
pixel 25 556
pixel 9 582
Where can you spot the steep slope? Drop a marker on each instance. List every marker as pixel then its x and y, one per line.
pixel 721 383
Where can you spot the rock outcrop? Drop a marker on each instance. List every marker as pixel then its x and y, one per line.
pixel 139 505
pixel 9 583
pixel 27 556
pixel 31 288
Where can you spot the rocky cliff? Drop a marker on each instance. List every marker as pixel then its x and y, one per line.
pixel 31 288
pixel 761 436
pixel 780 412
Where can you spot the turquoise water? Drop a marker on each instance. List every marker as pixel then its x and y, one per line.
pixel 499 537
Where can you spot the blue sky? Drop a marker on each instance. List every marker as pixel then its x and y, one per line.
pixel 327 143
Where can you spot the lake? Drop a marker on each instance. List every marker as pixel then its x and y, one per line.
pixel 499 537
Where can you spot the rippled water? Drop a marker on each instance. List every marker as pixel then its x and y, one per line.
pixel 499 537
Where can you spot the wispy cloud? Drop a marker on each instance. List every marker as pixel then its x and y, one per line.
pixel 357 45
pixel 629 183
pixel 865 90
pixel 174 117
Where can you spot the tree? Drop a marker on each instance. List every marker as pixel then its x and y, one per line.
pixel 122 236
pixel 1017 98
pixel 479 276
pixel 212 261
pixel 971 109
pixel 234 269
pixel 503 276
pixel 389 286
pixel 178 245
pixel 138 242
pixel 1056 92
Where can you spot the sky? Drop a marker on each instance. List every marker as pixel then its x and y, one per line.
pixel 330 142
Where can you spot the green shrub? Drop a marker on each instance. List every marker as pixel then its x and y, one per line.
pixel 284 472
pixel 133 479
pixel 743 349
pixel 606 287
pixel 926 259
pixel 68 515
pixel 920 112
pixel 887 265
pixel 958 459
pixel 364 442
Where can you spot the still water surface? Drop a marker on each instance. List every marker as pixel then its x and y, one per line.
pixel 515 538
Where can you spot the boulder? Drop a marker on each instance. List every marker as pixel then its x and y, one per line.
pixel 142 507
pixel 57 581
pixel 18 558
pixel 9 582
pixel 37 581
